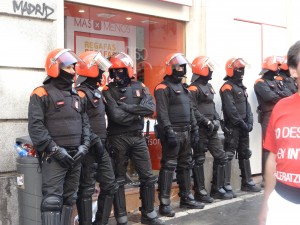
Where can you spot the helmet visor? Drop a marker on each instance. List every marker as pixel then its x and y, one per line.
pixel 124 58
pixel 238 63
pixel 66 57
pixel 177 59
pixel 101 61
pixel 208 62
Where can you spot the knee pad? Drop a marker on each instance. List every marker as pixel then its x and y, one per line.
pixel 170 165
pixel 51 204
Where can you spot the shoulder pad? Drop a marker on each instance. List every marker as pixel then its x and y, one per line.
pixel 192 88
pixel 160 86
pixel 105 88
pixel 226 87
pixel 81 94
pixel 279 78
pixel 259 80
pixel 39 91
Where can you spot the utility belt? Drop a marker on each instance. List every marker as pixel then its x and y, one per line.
pixel 287 192
pixel 181 128
pixel 136 133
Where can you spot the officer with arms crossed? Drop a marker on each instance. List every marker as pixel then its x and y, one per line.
pixel 59 129
pixel 177 126
pixel 202 95
pixel 268 92
pixel 238 122
pixel 97 163
pixel 127 103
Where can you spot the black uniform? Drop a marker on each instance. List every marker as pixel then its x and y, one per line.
pixel 288 81
pixel 268 92
pixel 96 164
pixel 58 127
pixel 202 95
pixel 238 122
pixel 126 107
pixel 176 121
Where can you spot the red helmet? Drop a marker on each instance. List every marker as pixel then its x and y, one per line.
pixel 270 63
pixel 233 64
pixel 173 60
pixel 201 66
pixel 282 61
pixel 57 59
pixel 122 60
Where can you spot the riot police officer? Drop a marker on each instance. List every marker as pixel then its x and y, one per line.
pixel 202 95
pixel 284 76
pixel 268 92
pixel 238 122
pixel 127 103
pixel 176 125
pixel 59 129
pixel 97 163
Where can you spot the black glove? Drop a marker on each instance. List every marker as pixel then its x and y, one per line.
pixel 82 150
pixel 243 125
pixel 98 149
pixel 62 157
pixel 171 137
pixel 195 139
pixel 282 94
pixel 216 124
pixel 250 127
pixel 210 127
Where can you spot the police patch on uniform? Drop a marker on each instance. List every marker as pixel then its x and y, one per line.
pixel 137 92
pixel 60 103
pixel 76 104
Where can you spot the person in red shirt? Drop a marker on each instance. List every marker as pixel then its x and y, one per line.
pixel 281 204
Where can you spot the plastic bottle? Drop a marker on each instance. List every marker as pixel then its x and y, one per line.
pixel 21 152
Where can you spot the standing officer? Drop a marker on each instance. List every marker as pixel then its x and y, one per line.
pixel 177 125
pixel 127 103
pixel 238 122
pixel 268 92
pixel 59 129
pixel 285 77
pixel 202 94
pixel 89 72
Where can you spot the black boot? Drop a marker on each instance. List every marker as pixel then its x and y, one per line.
pixel 189 202
pixel 227 177
pixel 201 194
pixel 247 182
pixel 164 188
pixel 217 190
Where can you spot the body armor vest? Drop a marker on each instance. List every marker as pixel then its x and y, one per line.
pixel 130 95
pixel 240 98
pixel 290 83
pixel 268 106
pixel 95 111
pixel 205 100
pixel 63 118
pixel 179 104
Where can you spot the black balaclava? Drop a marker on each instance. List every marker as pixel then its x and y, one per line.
pixel 204 79
pixel 237 77
pixel 284 72
pixel 121 78
pixel 177 76
pixel 92 83
pixel 64 81
pixel 269 75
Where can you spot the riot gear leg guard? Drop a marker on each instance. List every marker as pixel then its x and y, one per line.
pixel 201 194
pixel 217 190
pixel 164 188
pixel 120 203
pixel 227 177
pixel 187 199
pixel 51 207
pixel 66 215
pixel 247 182
pixel 147 195
pixel 105 202
pixel 84 206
